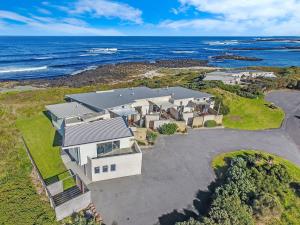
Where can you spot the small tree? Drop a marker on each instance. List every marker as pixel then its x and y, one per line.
pixel 168 129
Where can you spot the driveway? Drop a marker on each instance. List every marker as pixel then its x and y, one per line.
pixel 177 171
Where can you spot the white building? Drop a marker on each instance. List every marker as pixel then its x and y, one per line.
pixel 103 149
pixel 96 129
pixel 225 77
pixel 134 104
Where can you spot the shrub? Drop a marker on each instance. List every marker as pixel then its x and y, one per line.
pixel 210 123
pixel 168 129
pixel 151 136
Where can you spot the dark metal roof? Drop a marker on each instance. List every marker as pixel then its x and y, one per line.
pixel 118 97
pixel 97 131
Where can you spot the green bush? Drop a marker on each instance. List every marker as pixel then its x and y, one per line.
pixel 151 136
pixel 210 123
pixel 168 129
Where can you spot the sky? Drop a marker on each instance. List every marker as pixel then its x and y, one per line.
pixel 150 17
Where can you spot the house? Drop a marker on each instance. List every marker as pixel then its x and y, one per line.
pixel 252 74
pixel 233 77
pixel 103 149
pixel 136 104
pixel 222 76
pixel 96 127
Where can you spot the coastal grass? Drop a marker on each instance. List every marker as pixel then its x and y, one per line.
pixel 290 199
pixel 21 201
pixel 21 114
pixel 43 143
pixel 249 114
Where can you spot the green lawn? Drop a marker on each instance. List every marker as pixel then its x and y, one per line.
pixel 291 199
pixel 43 144
pixel 249 114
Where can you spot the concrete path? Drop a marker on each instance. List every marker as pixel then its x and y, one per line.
pixel 177 170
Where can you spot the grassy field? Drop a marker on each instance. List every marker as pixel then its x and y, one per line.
pixel 249 114
pixel 291 199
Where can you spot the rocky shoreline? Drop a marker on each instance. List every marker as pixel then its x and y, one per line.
pixel 235 57
pixel 112 73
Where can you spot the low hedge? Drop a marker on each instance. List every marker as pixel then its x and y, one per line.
pixel 210 123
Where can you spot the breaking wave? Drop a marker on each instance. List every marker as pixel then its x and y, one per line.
pixel 24 69
pixel 43 57
pixel 103 50
pixel 183 52
pixel 232 42
pixel 89 54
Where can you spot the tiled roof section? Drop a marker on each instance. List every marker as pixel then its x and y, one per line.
pixel 69 109
pixel 97 131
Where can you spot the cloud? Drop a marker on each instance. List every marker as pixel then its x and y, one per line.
pixel 246 17
pixel 44 11
pixel 203 27
pixel 108 9
pixel 36 25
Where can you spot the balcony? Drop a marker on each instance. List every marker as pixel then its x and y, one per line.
pixel 121 151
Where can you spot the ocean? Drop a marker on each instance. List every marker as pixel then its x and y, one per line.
pixel 24 58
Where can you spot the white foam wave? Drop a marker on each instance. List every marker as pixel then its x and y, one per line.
pixel 183 52
pixel 44 57
pixel 213 49
pixel 231 42
pixel 90 54
pixel 103 50
pixel 83 70
pixel 24 69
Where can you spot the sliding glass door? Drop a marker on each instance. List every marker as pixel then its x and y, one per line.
pixel 107 147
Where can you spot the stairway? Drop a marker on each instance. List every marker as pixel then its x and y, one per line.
pixel 66 195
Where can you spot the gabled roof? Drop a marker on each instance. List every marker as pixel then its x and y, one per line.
pixel 109 99
pixel 69 109
pixel 97 131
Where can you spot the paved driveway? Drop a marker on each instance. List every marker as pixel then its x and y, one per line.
pixel 177 170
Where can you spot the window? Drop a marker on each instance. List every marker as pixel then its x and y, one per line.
pixel 107 147
pixel 97 169
pixel 74 153
pixel 113 167
pixel 105 169
pixel 116 145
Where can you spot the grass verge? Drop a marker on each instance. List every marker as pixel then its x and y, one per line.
pixel 43 143
pixel 249 114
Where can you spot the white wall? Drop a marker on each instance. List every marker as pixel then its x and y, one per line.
pixel 90 150
pixel 184 101
pixel 126 165
pixel 144 104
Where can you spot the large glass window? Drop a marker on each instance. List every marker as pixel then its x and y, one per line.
pixel 107 147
